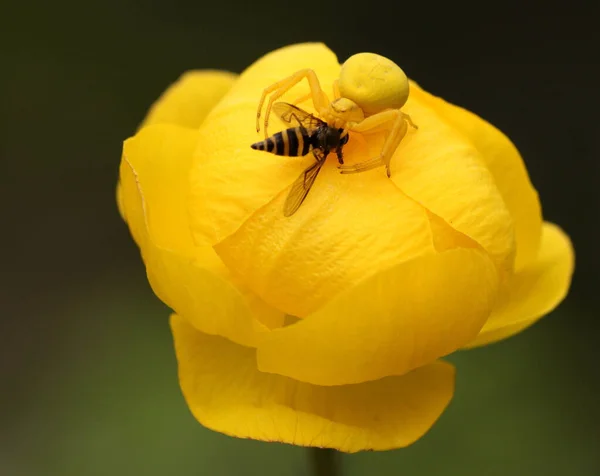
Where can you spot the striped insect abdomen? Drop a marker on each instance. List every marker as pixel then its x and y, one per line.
pixel 294 142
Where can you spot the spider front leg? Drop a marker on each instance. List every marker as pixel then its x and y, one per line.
pixel 336 90
pixel 306 97
pixel 278 89
pixel 301 99
pixel 394 121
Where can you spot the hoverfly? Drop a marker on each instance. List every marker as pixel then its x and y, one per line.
pixel 310 134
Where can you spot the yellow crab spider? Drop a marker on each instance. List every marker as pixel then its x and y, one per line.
pixel 368 96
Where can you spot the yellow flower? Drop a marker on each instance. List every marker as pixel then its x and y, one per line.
pixel 382 276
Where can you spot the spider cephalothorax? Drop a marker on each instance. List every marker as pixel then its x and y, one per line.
pixel 368 96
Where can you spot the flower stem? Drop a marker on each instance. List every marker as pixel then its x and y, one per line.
pixel 325 462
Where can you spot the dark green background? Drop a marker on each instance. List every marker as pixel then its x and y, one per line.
pixel 89 382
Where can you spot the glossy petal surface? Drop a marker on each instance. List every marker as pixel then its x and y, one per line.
pixel 227 393
pixel 506 166
pixel 444 172
pixel 190 279
pixel 535 290
pixel 355 226
pixel 395 321
pixel 188 101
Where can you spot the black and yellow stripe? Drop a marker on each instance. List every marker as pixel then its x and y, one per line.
pixel 294 142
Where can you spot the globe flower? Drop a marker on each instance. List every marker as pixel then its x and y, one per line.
pixel 327 328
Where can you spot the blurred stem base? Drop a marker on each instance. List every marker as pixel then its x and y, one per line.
pixel 325 462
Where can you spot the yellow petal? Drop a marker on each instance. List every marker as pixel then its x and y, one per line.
pixel 441 170
pixel 229 180
pixel 190 279
pixel 189 100
pixel 350 227
pixel 160 158
pixel 391 323
pixel 186 103
pixel 535 290
pixel 227 393
pixel 119 195
pixel 506 165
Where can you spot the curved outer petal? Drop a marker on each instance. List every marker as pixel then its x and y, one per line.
pixel 534 290
pixel 227 393
pixel 119 197
pixel 440 169
pixel 353 226
pixel 507 167
pixel 188 101
pixel 393 322
pixel 190 279
pixel 229 180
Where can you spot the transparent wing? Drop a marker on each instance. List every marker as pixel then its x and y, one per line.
pixel 291 114
pixel 301 187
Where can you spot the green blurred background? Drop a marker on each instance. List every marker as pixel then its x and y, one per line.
pixel 89 383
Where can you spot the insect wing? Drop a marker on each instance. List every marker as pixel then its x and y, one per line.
pixel 301 187
pixel 291 114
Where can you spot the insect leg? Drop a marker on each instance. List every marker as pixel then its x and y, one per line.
pixel 340 157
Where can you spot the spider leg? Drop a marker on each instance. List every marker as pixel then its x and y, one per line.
pixel 336 90
pixel 301 99
pixel 361 167
pixel 409 120
pixel 278 89
pixel 395 121
pixel 336 95
pixel 377 122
